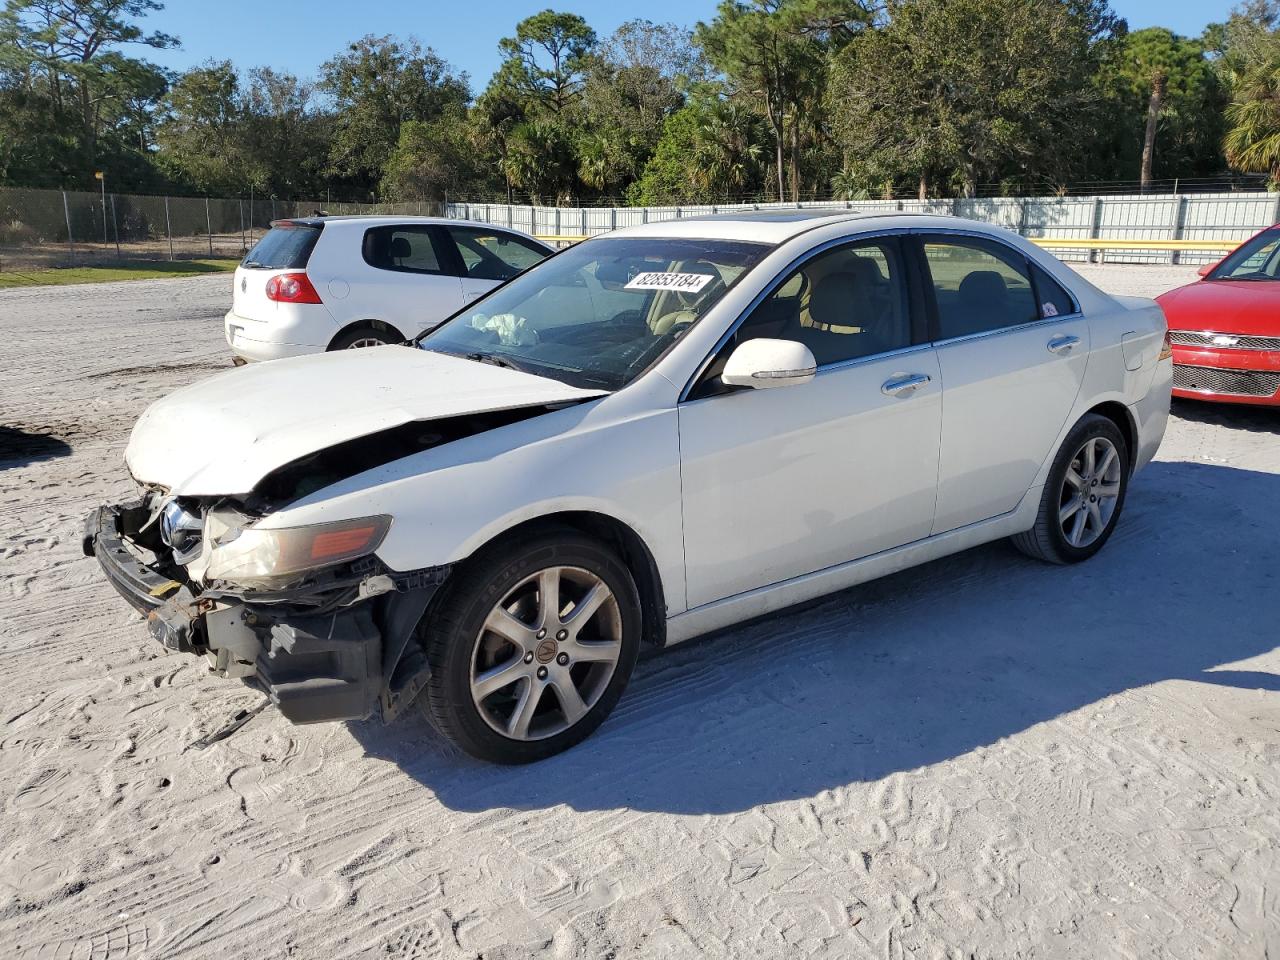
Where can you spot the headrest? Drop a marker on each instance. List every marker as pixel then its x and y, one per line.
pixel 400 248
pixel 983 286
pixel 865 270
pixel 836 298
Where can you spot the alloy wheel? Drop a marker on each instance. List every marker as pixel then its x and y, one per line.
pixel 1090 492
pixel 546 653
pixel 365 342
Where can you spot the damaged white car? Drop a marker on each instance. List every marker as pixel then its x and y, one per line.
pixel 651 435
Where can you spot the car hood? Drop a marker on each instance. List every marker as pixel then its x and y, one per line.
pixel 1227 306
pixel 222 435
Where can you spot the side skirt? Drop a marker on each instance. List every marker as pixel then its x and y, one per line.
pixel 777 596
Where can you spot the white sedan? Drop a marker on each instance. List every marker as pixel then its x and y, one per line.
pixel 654 434
pixel 313 284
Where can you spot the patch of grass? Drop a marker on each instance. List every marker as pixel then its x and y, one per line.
pixel 125 270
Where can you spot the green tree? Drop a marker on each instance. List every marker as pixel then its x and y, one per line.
pixel 437 159
pixel 285 133
pixel 66 59
pixel 1167 105
pixel 541 160
pixel 636 80
pixel 377 86
pixel 711 149
pixel 774 53
pixel 200 140
pixel 1252 142
pixel 546 61
pixel 959 92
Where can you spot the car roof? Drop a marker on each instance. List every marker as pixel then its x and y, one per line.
pixel 364 221
pixel 778 226
pixel 377 220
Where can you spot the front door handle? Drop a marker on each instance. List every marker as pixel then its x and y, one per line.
pixel 902 386
pixel 1063 344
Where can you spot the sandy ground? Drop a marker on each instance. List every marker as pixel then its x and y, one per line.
pixel 983 757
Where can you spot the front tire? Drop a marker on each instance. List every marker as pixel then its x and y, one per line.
pixel 1083 495
pixel 531 647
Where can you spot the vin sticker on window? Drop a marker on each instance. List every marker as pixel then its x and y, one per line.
pixel 680 282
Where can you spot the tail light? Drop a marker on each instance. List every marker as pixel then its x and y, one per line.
pixel 1166 351
pixel 292 288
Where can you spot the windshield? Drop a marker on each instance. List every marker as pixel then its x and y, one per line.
pixel 1259 259
pixel 286 246
pixel 598 314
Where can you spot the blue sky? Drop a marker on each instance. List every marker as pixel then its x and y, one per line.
pixel 298 35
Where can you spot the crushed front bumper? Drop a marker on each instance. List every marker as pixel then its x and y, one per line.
pixel 343 663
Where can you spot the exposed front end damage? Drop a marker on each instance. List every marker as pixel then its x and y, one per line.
pixel 338 644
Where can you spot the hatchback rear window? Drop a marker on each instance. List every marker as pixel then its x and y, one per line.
pixel 286 246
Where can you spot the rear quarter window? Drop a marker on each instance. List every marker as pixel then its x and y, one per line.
pixel 285 247
pixel 1053 298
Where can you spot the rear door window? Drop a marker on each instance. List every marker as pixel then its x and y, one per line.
pixel 979 286
pixel 286 246
pixel 493 254
pixel 403 249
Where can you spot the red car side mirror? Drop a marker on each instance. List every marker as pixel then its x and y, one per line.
pixel 1207 268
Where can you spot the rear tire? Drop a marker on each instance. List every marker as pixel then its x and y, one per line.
pixel 1083 495
pixel 514 676
pixel 364 337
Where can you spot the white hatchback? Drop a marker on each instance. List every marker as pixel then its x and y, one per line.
pixel 654 434
pixel 329 283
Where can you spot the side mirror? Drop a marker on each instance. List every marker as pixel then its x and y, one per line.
pixel 1207 268
pixel 763 364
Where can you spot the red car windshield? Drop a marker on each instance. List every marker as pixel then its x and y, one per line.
pixel 1258 259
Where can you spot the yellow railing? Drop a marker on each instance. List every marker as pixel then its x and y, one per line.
pixel 1081 243
pixel 1056 243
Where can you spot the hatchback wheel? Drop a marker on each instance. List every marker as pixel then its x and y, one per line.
pixel 364 337
pixel 531 647
pixel 1083 495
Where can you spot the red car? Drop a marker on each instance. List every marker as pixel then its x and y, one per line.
pixel 1225 328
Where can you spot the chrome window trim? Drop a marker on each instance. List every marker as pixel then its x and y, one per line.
pixel 962 232
pixel 872 357
pixel 1029 325
pixel 781 277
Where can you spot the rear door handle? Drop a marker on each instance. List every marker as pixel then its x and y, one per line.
pixel 1063 344
pixel 903 385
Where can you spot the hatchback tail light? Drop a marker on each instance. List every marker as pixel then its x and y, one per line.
pixel 292 288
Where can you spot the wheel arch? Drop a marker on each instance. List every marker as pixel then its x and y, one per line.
pixel 366 324
pixel 1122 417
pixel 631 548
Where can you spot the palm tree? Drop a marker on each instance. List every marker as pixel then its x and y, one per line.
pixel 1253 142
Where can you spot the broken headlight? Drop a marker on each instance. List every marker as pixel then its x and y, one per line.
pixel 271 559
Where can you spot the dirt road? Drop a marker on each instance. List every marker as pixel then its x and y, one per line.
pixel 983 757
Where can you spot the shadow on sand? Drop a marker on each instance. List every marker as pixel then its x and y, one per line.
pixel 915 669
pixel 19 448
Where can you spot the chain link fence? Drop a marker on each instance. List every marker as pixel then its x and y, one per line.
pixel 57 228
